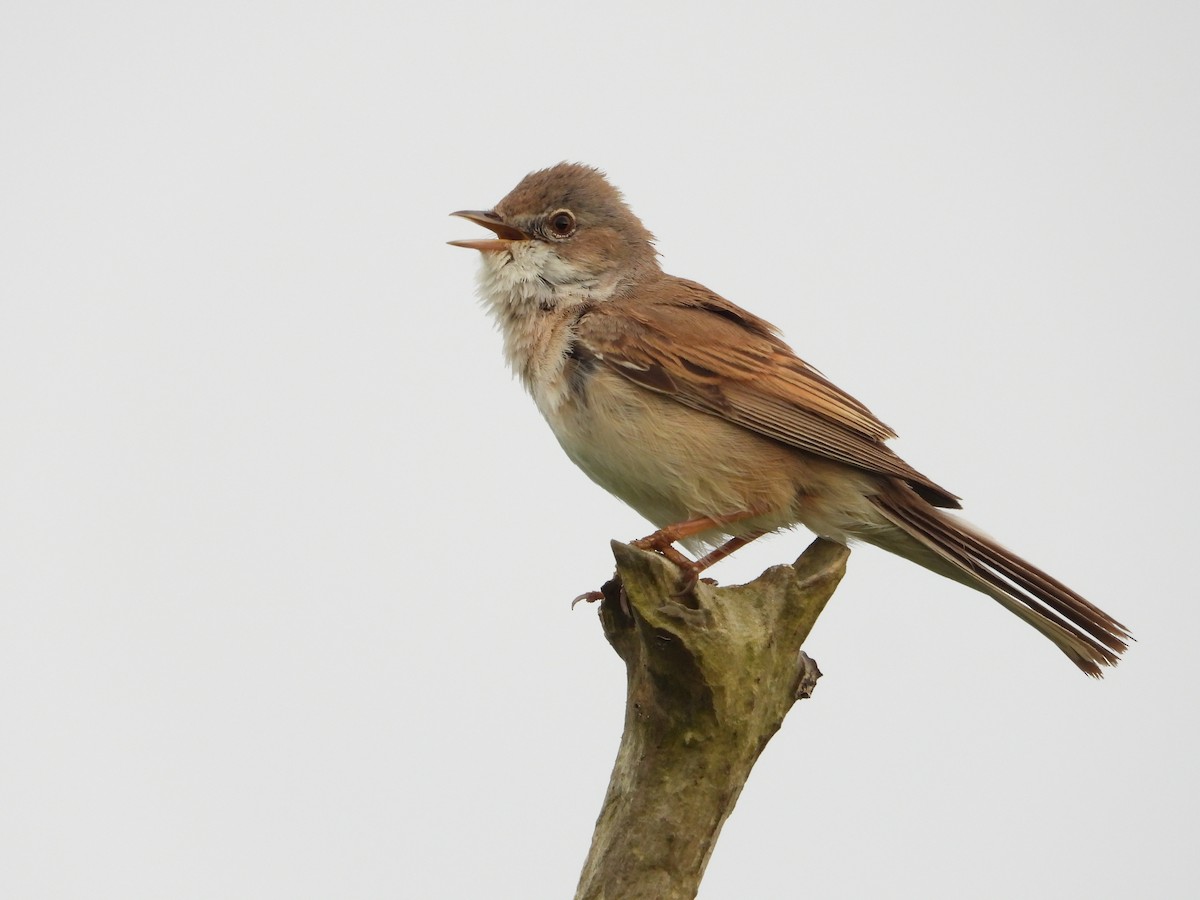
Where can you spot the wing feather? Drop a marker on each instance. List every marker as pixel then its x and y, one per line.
pixel 679 339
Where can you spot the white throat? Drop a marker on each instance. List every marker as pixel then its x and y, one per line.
pixel 535 297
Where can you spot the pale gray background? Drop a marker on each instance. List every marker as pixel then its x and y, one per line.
pixel 287 556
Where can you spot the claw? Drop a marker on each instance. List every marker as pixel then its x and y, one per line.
pixel 689 577
pixel 612 590
pixel 589 597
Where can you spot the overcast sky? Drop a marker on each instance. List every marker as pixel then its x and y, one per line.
pixel 286 556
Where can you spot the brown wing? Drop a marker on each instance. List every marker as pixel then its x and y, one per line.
pixel 680 339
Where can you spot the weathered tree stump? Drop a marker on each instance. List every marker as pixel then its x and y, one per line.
pixel 710 677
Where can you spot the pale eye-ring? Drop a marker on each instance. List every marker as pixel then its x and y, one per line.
pixel 562 223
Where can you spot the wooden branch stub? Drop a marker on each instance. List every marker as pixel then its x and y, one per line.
pixel 710 677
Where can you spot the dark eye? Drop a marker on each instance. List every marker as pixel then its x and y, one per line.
pixel 562 223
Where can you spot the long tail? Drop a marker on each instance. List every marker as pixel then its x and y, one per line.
pixel 1090 637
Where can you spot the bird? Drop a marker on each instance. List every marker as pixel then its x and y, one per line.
pixel 697 414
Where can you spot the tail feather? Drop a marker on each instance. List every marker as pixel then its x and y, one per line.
pixel 1085 633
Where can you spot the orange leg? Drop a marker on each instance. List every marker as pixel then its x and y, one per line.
pixel 669 534
pixel 726 549
pixel 662 542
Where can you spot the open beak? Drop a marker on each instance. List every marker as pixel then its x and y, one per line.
pixel 505 234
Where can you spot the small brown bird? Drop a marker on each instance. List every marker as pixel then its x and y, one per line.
pixel 696 413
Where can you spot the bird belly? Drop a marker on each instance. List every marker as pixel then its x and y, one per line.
pixel 672 463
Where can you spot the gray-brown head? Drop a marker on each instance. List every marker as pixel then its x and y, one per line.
pixel 565 226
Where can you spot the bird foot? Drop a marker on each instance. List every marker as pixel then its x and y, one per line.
pixel 662 543
pixel 689 577
pixel 612 590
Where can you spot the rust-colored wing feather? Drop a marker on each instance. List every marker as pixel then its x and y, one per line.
pixel 678 338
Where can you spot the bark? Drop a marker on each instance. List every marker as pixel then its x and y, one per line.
pixel 710 677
